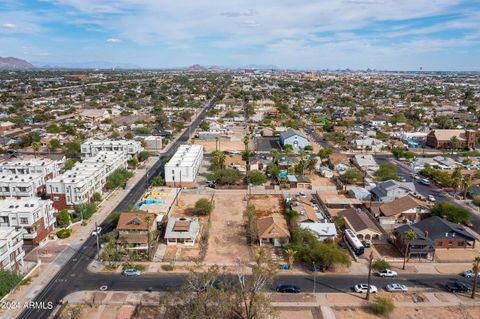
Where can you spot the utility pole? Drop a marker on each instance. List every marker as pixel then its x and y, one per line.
pixel 369 281
pixel 98 241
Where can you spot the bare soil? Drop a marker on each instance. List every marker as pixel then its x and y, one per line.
pixel 266 205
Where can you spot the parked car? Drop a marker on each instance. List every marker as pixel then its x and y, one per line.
pixel 469 273
pixel 402 179
pixel 288 289
pixel 366 243
pixel 302 194
pixel 362 288
pixel 387 273
pixel 425 181
pixel 396 288
pixel 458 286
pixel 431 198
pixel 131 272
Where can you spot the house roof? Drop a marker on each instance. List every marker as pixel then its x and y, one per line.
pixel 291 132
pixel 439 228
pixel 186 228
pixel 133 221
pixel 337 158
pixel 132 239
pixel 446 135
pixel 274 226
pixel 400 205
pixel 322 229
pixel 359 220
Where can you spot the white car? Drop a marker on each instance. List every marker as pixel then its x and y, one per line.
pixel 431 198
pixel 362 288
pixel 469 274
pixel 396 288
pixel 387 273
pixel 131 272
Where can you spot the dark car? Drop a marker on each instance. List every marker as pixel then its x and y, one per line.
pixel 458 286
pixel 288 288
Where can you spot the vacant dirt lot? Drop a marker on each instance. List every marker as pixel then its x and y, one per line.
pixel 266 205
pixel 457 255
pixel 413 313
pixel 227 240
pixel 225 145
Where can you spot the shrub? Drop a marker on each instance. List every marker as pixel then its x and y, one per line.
pixel 383 306
pixel 203 206
pixel 97 197
pixel 8 280
pixel 86 210
pixel 167 267
pixel 143 156
pixel 452 212
pixel 380 264
pixel 64 233
pixel 118 178
pixel 158 181
pixel 257 178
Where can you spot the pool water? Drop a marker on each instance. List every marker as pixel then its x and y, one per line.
pixel 149 202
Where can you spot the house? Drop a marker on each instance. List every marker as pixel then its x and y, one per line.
pixel 323 231
pixel 11 251
pixel 273 230
pixel 390 190
pixel 153 143
pixel 366 163
pixel 368 143
pixel 133 230
pixel 6 126
pixel 443 138
pixel 299 181
pixel 361 223
pixel 339 162
pixel 181 230
pixel 93 146
pixel 403 210
pixel 94 115
pixel 33 217
pixel 268 132
pixel 439 232
pixel 294 138
pixel 359 193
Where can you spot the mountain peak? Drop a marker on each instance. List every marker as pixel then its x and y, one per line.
pixel 14 63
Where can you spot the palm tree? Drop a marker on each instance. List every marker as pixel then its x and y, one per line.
pixel 148 218
pixel 290 257
pixel 466 184
pixel 476 270
pixel 36 147
pixel 456 178
pixel 409 236
pixel 219 158
pixel 246 141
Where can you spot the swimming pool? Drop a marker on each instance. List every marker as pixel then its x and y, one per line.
pixel 149 202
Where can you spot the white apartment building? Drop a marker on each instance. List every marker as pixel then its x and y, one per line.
pixel 33 217
pixel 45 166
pixel 183 167
pixel 17 186
pixel 77 186
pixel 11 250
pixel 93 146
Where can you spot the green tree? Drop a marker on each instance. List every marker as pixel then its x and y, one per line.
pixel 381 264
pixel 69 164
pixel 8 280
pixel 274 153
pixel 63 218
pixel 257 178
pixel 455 143
pixel 204 126
pixel 97 197
pixel 143 156
pixel 54 144
pixel 36 147
pixel 86 210
pixel 386 172
pixel 217 160
pixel 226 176
pixel 158 181
pixel 452 212
pixel 325 152
pixel 246 141
pixel 118 178
pixel 203 206
pixel 352 176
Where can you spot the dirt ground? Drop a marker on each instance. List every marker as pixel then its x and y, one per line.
pixel 457 255
pixel 266 205
pixel 185 208
pixel 225 145
pixel 227 240
pixel 413 313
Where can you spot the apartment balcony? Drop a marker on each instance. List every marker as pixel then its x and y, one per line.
pixel 30 236
pixel 20 256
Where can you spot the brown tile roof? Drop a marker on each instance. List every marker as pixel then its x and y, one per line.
pixel 446 135
pixel 132 239
pixel 133 221
pixel 274 226
pixel 400 205
pixel 359 221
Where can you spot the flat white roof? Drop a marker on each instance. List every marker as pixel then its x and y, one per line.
pixel 185 155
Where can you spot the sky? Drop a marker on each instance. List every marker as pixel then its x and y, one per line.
pixel 294 34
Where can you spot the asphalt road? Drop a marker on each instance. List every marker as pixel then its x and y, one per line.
pixel 73 276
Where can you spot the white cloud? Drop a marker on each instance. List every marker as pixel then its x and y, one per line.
pixel 8 26
pixel 113 40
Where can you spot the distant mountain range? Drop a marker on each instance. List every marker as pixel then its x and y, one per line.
pixel 87 65
pixel 11 63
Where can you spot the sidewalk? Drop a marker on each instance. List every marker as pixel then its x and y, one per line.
pixel 73 243
pixel 329 304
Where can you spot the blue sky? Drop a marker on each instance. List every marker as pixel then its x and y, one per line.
pixel 313 34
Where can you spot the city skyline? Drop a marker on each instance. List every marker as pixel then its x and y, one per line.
pixel 354 34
